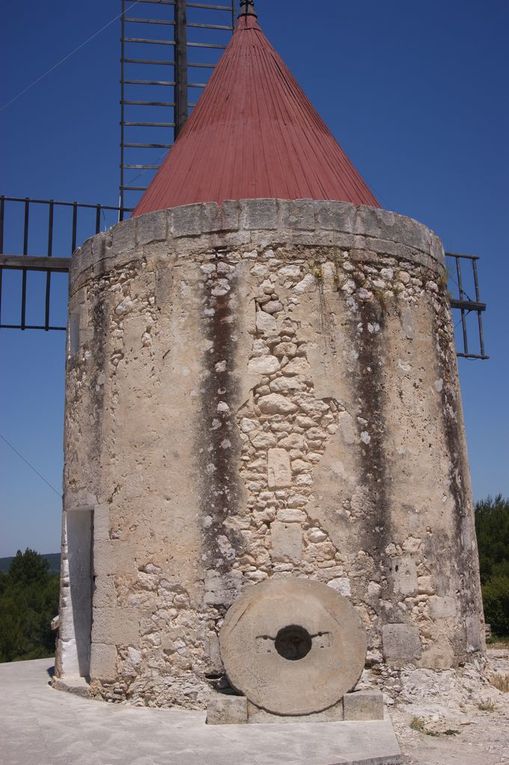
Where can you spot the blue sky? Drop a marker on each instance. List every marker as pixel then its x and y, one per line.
pixel 416 94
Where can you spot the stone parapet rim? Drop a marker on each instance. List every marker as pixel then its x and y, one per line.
pixel 252 223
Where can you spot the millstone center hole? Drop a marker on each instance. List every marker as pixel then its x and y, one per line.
pixel 293 642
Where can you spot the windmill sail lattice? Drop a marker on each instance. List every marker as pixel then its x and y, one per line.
pixel 168 50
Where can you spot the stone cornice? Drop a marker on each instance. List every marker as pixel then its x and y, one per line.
pixel 252 223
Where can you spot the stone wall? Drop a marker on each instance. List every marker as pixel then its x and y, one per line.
pixel 262 389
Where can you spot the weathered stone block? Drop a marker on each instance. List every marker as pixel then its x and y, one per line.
pixel 475 633
pixel 439 655
pixel 384 246
pixel 233 239
pixel 66 629
pixel 152 227
pixel 226 710
pixel 134 329
pixel 425 585
pixel 279 471
pixel 299 366
pixel 78 686
pixel 286 539
pixel 404 575
pixel 260 214
pixel 113 557
pixel 265 322
pixel 364 705
pixel 414 234
pixel 134 485
pixel 274 403
pixel 342 585
pixel 74 337
pixel 99 246
pixel 291 515
pixel 223 217
pixel 263 440
pixel 221 589
pixel 101 523
pixel 85 254
pixel 437 250
pixel 287 384
pixel 401 642
pixel 264 365
pixel 299 214
pixel 123 237
pixel 442 608
pixel 370 221
pixel 103 662
pixel 407 323
pixel 105 594
pixel 335 216
pixel 316 238
pixel 118 626
pixel 187 221
pixel 307 284
pixel 214 663
pixel 347 428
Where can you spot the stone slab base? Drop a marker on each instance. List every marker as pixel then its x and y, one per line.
pixel 354 728
pixel 76 685
pixel 361 743
pixel 351 742
pixel 227 710
pixel 363 705
pixel 87 732
pixel 357 706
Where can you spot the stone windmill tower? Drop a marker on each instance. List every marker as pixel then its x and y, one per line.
pixel 261 385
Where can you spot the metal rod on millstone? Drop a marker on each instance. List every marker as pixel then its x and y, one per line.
pixel 247 8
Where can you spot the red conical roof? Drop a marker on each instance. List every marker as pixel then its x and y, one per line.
pixel 252 135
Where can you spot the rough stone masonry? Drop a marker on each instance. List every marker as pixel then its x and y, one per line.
pixel 261 389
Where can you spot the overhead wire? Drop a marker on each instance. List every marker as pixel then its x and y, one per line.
pixel 66 57
pixel 32 467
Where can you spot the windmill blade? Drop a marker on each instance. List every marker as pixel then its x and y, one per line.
pixel 168 51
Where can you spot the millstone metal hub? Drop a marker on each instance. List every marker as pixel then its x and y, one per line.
pixel 293 646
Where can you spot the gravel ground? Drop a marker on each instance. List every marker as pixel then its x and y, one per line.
pixel 457 723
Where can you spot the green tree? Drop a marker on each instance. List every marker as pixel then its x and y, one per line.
pixel 28 568
pixel 495 595
pixel 492 528
pixel 28 602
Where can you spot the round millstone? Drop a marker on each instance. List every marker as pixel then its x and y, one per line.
pixel 293 646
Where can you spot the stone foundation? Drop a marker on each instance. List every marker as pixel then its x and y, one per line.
pixel 257 390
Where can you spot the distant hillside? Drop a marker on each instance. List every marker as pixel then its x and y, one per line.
pixel 52 558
